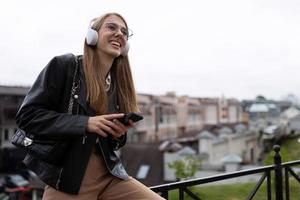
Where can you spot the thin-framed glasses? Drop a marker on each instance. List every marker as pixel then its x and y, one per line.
pixel 114 28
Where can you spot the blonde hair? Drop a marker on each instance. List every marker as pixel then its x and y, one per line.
pixel 123 85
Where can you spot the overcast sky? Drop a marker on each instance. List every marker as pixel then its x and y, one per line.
pixel 235 48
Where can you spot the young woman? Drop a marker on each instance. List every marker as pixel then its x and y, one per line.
pixel 104 92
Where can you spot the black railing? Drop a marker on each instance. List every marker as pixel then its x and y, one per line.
pixel 278 167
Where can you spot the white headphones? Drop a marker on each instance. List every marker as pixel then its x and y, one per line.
pixel 92 39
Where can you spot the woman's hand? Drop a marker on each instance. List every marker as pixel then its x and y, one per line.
pixel 108 124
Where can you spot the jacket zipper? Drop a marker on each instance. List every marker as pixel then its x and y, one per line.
pixel 58 180
pixel 77 112
pixel 83 139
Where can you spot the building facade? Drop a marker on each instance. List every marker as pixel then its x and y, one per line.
pixel 10 100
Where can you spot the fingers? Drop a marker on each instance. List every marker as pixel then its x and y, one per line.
pixel 113 116
pixel 115 127
pixel 100 132
pixel 131 123
pixel 111 128
pixel 94 127
pixel 107 124
pixel 120 126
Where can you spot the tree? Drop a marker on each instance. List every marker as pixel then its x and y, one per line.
pixel 260 98
pixel 185 168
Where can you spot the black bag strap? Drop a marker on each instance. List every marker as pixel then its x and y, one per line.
pixel 75 86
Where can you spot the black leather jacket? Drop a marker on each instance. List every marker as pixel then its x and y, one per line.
pixel 44 113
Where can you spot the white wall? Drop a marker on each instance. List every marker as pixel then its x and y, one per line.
pixel 211 116
pixel 232 114
pixel 238 144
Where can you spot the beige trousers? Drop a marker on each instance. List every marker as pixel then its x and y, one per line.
pixel 99 184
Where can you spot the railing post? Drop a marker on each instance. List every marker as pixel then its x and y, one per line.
pixel 278 173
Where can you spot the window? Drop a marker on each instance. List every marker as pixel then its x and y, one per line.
pixel 143 171
pixel 9 113
pixel 6 134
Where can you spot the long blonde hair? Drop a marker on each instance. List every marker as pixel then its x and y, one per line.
pixel 123 85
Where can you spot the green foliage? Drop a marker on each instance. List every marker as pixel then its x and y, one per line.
pixel 284 153
pixel 238 191
pixel 185 168
pixel 290 150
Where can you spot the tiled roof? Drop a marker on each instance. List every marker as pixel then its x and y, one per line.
pixel 134 155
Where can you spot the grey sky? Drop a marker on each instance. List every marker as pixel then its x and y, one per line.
pixel 238 48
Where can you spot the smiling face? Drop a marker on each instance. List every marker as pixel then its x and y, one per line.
pixel 112 36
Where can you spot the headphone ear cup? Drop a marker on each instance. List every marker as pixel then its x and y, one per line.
pixel 125 49
pixel 91 37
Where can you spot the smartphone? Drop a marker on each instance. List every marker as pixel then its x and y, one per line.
pixel 131 116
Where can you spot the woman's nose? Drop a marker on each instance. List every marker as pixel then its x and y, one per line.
pixel 118 32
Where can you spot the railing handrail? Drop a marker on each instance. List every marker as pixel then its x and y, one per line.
pixel 277 167
pixel 290 163
pixel 220 177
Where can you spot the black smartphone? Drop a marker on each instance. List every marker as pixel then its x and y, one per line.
pixel 131 116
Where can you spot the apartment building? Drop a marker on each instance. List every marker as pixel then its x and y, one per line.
pixel 10 100
pixel 189 115
pixel 165 116
pixel 245 145
pixel 144 130
pixel 217 111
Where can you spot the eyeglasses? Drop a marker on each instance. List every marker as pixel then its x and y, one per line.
pixel 114 28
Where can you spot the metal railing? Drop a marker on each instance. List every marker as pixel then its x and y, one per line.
pixel 278 169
